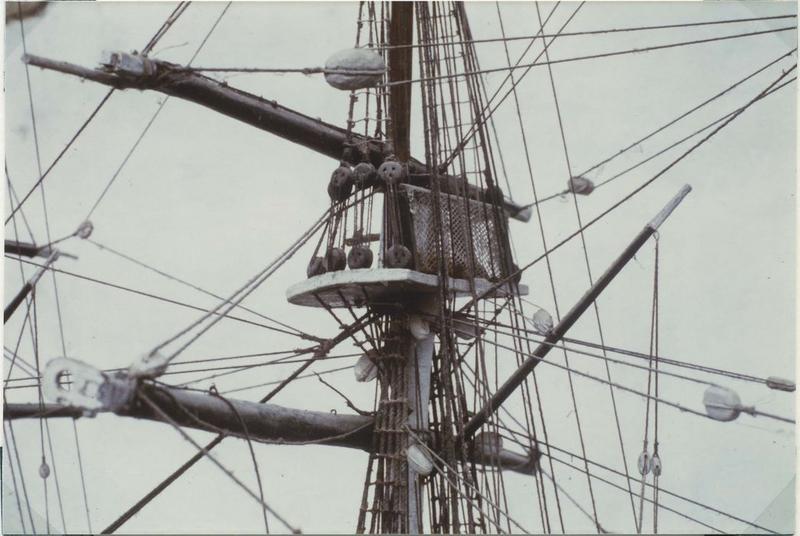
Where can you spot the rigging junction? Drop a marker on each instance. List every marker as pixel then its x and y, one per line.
pixel 443 236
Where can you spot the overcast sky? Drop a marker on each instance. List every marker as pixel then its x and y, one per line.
pixel 212 200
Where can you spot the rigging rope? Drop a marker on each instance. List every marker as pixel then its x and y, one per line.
pixel 527 153
pixel 153 41
pixel 642 394
pixel 505 39
pixel 173 17
pixel 133 510
pixel 438 458
pixel 126 159
pixel 639 355
pixel 16 348
pixel 39 184
pixel 33 293
pixel 239 295
pixel 595 56
pixel 242 356
pixel 150 295
pixel 12 198
pixel 216 462
pixel 250 447
pixel 191 285
pixel 14 446
pixel 617 486
pixel 354 72
pixel 548 475
pixel 656 154
pixel 645 462
pixel 300 377
pixel 602 357
pixel 30 372
pixel 231 368
pixel 307 360
pixel 573 501
pixel 635 191
pixel 657 473
pixel 83 477
pixel 689 112
pixel 527 70
pixel 244 291
pixel 483 113
pixel 155 114
pixel 595 305
pixel 16 488
pixel 619 473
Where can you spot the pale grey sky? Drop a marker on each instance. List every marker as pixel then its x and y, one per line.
pixel 212 200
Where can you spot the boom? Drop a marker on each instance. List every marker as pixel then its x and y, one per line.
pixel 138 72
pixel 263 422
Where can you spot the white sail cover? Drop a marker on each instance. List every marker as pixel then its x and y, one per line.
pixel 365 369
pixel 722 404
pixel 366 69
pixel 580 185
pixel 542 322
pixel 419 460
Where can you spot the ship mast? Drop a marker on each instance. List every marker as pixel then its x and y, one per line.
pixel 276 424
pixel 400 483
pixel 412 298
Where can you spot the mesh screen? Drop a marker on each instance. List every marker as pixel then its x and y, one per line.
pixel 459 217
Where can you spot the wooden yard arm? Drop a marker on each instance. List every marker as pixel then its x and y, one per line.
pixel 264 114
pixel 268 423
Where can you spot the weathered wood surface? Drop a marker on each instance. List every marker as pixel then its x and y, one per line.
pixel 401 32
pixel 267 423
pixel 267 115
pixel 572 316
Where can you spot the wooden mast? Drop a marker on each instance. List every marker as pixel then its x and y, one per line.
pixel 417 352
pixel 273 422
pixel 401 31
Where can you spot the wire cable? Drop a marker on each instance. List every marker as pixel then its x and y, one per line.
pixel 631 194
pixel 83 126
pixel 216 462
pixel 505 39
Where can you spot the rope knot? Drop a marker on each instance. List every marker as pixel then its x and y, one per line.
pixel 324 347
